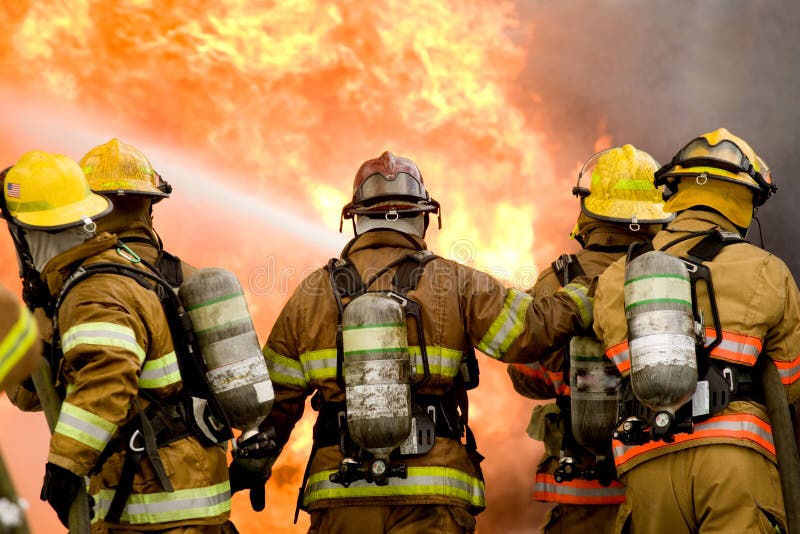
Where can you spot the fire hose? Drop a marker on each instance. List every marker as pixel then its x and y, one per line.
pixel 51 404
pixel 785 443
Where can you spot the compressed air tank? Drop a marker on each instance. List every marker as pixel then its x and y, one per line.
pixel 595 391
pixel 377 373
pixel 235 367
pixel 661 333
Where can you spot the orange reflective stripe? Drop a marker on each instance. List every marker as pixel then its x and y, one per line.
pixel 741 426
pixel 532 370
pixel 621 356
pixel 789 371
pixel 736 348
pixel 577 491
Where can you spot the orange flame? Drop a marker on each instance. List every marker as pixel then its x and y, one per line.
pixel 283 103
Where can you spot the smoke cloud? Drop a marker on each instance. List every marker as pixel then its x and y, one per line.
pixel 657 73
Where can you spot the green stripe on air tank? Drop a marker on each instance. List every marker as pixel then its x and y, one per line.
pixel 657 301
pixel 214 301
pixel 207 317
pixel 649 276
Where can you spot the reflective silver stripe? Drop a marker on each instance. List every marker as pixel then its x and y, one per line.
pixel 421 481
pixel 507 325
pixel 319 364
pixel 17 341
pixel 736 426
pixel 283 370
pixel 743 349
pixel 162 507
pixel 84 426
pixel 102 334
pixel 160 372
pixel 441 360
pixel 566 489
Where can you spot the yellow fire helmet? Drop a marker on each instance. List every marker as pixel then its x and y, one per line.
pixel 622 188
pixel 117 168
pixel 719 155
pixel 47 191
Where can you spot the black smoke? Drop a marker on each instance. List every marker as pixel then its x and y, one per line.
pixel 657 73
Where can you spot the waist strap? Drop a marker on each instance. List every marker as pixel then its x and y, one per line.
pixel 332 415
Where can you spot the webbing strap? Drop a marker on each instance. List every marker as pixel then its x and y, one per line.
pixel 566 268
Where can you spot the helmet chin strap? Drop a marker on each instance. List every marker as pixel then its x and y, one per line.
pixel 408 225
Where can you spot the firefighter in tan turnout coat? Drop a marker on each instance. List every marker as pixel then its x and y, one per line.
pixel 118 368
pixel 622 206
pixel 721 476
pixel 424 478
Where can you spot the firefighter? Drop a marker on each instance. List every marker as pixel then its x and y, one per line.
pixel 383 336
pixel 119 423
pixel 621 207
pixel 20 346
pixel 710 464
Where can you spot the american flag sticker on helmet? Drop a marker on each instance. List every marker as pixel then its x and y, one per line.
pixel 12 189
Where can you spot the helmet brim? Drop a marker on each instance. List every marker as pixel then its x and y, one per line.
pixel 93 207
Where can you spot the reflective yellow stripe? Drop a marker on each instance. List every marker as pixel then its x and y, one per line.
pixel 84 426
pixel 206 316
pixel 284 370
pixel 321 364
pixel 421 481
pixel 318 364
pixel 161 507
pixel 507 326
pixel 102 334
pixel 580 296
pixel 18 341
pixel 160 372
pixel 441 360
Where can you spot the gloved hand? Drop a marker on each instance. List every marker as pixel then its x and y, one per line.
pixel 252 474
pixel 60 488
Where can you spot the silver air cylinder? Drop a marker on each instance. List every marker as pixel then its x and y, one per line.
pixel 236 369
pixel 661 334
pixel 595 392
pixel 377 373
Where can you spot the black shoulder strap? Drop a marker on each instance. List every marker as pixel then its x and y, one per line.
pixel 170 267
pixel 636 249
pixel 566 268
pixel 711 245
pixel 408 273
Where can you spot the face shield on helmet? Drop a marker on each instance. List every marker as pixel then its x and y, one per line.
pixel 720 155
pixel 117 168
pixel 389 187
pixel 622 188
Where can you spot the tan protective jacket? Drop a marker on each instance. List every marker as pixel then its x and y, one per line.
pixel 116 345
pixel 20 346
pixel 759 308
pixel 459 305
pixel 604 243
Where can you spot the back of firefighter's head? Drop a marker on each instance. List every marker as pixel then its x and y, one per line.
pixel 122 172
pixel 621 192
pixel 48 199
pixel 718 170
pixel 388 192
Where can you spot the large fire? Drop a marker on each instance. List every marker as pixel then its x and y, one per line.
pixel 259 114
